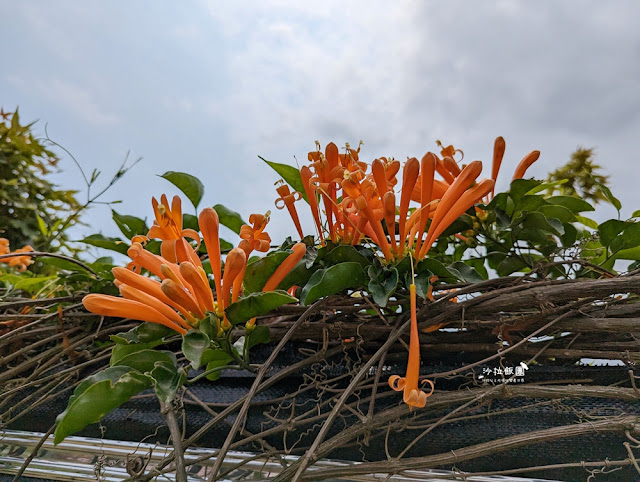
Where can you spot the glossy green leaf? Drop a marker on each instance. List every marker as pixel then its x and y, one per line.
pixel 343 254
pixel 530 203
pixel 130 226
pixel 189 221
pixel 539 221
pixel 520 187
pixel 636 214
pixel 167 380
pixel 631 254
pixel 194 343
pixel 382 283
pixel 574 204
pixel 229 218
pixel 610 229
pixel 557 212
pixel 590 223
pixel 120 351
pixel 545 186
pixel 257 304
pixel 290 174
pixel 100 241
pixel 143 360
pixel 190 185
pixel 422 282
pixel 260 334
pixel 607 194
pixel 464 272
pixel 98 395
pixel 510 265
pixel 214 359
pixel 332 280
pixel 569 236
pixel 143 333
pixel 436 268
pixel 258 272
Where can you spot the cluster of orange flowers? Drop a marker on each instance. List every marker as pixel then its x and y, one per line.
pixel 357 198
pixel 358 202
pixel 18 262
pixel 181 296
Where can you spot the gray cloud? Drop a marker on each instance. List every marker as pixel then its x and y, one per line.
pixel 208 88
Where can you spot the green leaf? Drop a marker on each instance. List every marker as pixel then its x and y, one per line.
pixel 636 214
pixel 258 272
pixel 167 380
pixel 143 333
pixel 558 212
pixel 538 221
pixel 188 184
pixel 610 229
pixel 141 360
pixel 189 221
pixel 421 281
pixel 530 203
pixel 214 359
pixel 32 284
pixel 260 334
pixel 194 343
pixel 464 272
pixel 607 194
pixel 574 204
pixel 332 280
pixel 436 268
pixel 510 265
pixel 631 236
pixel 257 304
pixel 289 174
pixel 503 221
pixel 113 244
pixel 98 395
pixel 130 226
pixel 590 223
pixel 42 226
pixel 343 254
pixel 382 283
pixel 570 235
pixel 546 185
pixel 631 253
pixel 229 218
pixel 64 264
pixel 520 187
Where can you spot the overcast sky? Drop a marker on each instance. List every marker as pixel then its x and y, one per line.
pixel 206 86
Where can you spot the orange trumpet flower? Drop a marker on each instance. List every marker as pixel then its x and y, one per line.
pixel 4 246
pixel 287 198
pixel 210 226
pixel 20 263
pixel 409 384
pixel 498 153
pixel 409 179
pixel 299 250
pixel 255 236
pixel 525 163
pixel 113 306
pixel 168 227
